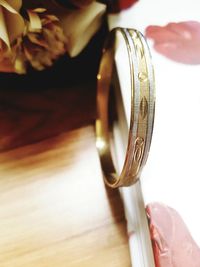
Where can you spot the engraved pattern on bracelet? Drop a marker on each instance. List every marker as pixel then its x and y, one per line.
pixel 142 107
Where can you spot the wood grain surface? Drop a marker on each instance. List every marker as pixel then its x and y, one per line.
pixel 54 207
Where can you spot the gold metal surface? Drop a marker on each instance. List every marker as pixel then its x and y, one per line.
pixel 142 106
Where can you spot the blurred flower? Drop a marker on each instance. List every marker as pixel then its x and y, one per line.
pixel 173 245
pixel 47 31
pixel 177 41
pixel 80 25
pixel 11 22
pixel 44 41
pixel 7 60
pixel 11 27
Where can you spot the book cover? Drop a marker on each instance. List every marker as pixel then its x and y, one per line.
pixel 163 208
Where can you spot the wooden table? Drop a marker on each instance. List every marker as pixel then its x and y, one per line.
pixel 55 210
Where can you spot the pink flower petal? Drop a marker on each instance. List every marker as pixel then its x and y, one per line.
pixel 177 41
pixel 172 243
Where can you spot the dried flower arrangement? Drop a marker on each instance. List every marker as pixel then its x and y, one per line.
pixel 36 33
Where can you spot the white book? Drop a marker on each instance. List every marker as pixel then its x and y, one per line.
pixel 172 174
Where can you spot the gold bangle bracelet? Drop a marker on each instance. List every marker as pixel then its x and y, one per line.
pixel 142 106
